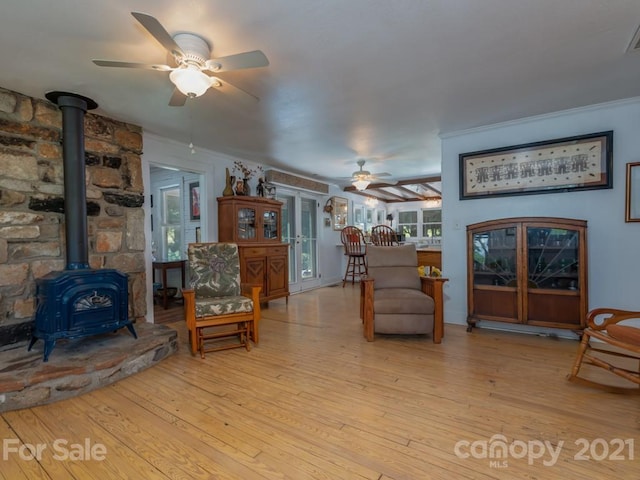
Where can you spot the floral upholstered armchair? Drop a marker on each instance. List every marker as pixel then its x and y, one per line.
pixel 218 306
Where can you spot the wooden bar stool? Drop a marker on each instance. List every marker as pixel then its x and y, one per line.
pixel 356 250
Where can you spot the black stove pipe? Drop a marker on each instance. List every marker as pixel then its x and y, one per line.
pixel 73 108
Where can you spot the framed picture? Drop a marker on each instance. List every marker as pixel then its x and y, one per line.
pixel 633 193
pixel 339 212
pixel 194 200
pixel 565 164
pixel 198 235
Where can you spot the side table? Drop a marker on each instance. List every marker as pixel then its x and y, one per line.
pixel 163 266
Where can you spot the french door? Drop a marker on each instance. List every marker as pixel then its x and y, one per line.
pixel 300 231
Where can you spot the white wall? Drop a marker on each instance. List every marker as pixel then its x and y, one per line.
pixel 211 165
pixel 614 261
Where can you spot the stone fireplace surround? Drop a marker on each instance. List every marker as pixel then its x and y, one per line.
pixel 32 205
pixel 32 244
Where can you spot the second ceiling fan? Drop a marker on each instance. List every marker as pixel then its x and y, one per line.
pixel 192 56
pixel 362 178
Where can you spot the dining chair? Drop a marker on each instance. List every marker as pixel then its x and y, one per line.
pixel 384 236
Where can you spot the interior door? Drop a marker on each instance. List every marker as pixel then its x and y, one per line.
pixel 300 231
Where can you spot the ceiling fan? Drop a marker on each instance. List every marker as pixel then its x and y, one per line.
pixel 192 56
pixel 362 178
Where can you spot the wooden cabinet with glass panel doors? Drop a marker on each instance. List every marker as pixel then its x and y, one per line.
pixel 528 270
pixel 254 223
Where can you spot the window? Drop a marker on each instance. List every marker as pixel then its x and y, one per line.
pixel 358 216
pixel 421 224
pixel 408 223
pixel 171 223
pixel 432 223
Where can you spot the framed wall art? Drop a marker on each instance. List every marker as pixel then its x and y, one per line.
pixel 633 193
pixel 565 164
pixel 194 200
pixel 339 212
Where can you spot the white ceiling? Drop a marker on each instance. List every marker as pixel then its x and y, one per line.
pixel 348 79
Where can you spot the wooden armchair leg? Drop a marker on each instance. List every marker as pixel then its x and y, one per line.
pixel 367 310
pixel 584 344
pixel 199 332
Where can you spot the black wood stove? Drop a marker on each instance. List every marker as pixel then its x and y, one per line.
pixel 78 301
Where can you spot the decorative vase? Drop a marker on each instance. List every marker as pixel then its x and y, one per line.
pixel 228 189
pixel 246 187
pixel 240 187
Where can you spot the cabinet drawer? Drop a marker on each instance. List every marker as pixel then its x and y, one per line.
pixel 254 251
pixel 278 250
pixel 261 251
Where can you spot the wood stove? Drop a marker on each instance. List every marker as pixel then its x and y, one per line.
pixel 78 301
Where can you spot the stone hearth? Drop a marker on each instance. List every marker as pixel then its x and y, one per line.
pixel 78 366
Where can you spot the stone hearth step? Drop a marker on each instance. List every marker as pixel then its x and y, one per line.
pixel 79 366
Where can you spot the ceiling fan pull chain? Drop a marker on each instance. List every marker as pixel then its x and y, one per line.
pixel 193 150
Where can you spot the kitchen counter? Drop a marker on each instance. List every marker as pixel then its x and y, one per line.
pixel 431 256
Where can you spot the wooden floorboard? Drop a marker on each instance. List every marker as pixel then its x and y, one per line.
pixel 314 400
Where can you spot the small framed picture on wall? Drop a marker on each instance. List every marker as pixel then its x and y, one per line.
pixel 633 192
pixel 194 200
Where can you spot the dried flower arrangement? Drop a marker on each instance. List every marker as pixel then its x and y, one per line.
pixel 246 172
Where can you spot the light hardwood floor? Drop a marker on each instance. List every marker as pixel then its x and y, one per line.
pixel 315 401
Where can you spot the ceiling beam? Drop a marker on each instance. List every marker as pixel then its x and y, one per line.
pixel 412 181
pixel 400 191
pixel 411 192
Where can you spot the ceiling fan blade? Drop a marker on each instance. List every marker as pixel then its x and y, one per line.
pixel 238 61
pixel 233 91
pixel 155 28
pixel 111 63
pixel 178 99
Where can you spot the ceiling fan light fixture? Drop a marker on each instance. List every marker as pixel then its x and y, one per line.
pixel 361 184
pixel 190 81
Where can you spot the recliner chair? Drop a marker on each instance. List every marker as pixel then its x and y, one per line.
pixel 395 299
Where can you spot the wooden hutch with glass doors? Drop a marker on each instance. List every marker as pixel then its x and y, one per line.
pixel 528 270
pixel 254 223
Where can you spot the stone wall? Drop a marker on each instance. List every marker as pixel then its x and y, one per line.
pixel 32 205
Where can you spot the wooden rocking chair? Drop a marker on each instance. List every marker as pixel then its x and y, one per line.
pixel 617 342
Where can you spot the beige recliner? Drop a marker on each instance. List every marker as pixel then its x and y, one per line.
pixel 395 299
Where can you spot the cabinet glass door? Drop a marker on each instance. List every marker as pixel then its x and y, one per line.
pixel 270 225
pixel 246 224
pixel 552 258
pixel 494 257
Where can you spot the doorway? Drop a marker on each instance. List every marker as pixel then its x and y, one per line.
pixel 300 231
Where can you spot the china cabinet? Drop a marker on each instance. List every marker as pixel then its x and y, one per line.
pixel 254 223
pixel 528 270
